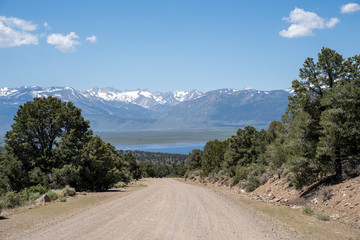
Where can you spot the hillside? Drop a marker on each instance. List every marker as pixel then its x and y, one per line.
pixel 341 201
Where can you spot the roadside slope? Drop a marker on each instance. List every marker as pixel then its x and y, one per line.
pixel 166 209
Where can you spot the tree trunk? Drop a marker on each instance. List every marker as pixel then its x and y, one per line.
pixel 338 165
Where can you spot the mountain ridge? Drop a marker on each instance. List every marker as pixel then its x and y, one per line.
pixel 111 109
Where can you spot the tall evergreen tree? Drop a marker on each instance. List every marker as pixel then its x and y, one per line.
pixel 213 156
pixel 340 140
pixel 193 160
pixel 98 165
pixel 244 148
pixel 323 116
pixel 47 133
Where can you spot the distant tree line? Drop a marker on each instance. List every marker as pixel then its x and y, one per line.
pixel 158 157
pixel 317 137
pixel 157 164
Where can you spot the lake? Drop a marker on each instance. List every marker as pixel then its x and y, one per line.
pixel 178 147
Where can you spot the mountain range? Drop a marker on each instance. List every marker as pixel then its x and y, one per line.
pixel 110 109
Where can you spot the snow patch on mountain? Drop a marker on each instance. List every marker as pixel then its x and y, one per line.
pixel 180 95
pixel 143 98
pixel 140 97
pixel 113 109
pixel 5 91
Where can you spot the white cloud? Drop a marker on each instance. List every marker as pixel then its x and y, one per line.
pixel 47 26
pixel 18 23
pixel 350 8
pixel 303 23
pixel 14 32
pixel 63 43
pixel 296 30
pixel 332 22
pixel 91 39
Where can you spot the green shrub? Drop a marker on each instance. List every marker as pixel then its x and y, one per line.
pixel 23 195
pixel 38 188
pixel 308 210
pixel 69 174
pixel 52 195
pixel 352 171
pixel 326 193
pixel 235 180
pixel 69 191
pixel 212 177
pixel 194 174
pixel 60 193
pixel 186 175
pixel 323 216
pixel 223 176
pixel 304 172
pixel 218 177
pixel 120 185
pixel 11 200
pixel 269 173
pixel 242 173
pixel 36 175
pixel 298 180
pixel 243 184
pixel 33 196
pixel 253 183
pixel 285 173
pixel 62 199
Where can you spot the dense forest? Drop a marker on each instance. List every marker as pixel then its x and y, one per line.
pixel 317 138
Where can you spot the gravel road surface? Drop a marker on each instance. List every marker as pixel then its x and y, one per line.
pixel 166 209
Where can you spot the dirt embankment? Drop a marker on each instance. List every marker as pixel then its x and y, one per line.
pixel 341 201
pixel 165 209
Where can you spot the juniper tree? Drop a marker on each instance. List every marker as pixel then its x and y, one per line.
pixel 47 133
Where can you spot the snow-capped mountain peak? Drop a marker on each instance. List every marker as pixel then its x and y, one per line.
pixel 182 96
pixel 143 97
pixel 5 91
pixel 113 109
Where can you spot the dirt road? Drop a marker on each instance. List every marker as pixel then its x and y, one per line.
pixel 166 209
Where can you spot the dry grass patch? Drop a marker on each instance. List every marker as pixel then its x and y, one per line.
pixel 59 192
pixel 23 219
pixel 139 185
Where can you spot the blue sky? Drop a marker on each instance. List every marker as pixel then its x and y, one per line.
pixel 169 45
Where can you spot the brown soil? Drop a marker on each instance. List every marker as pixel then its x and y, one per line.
pixel 342 203
pixel 165 209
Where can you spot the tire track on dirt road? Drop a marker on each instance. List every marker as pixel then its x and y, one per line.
pixel 166 209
